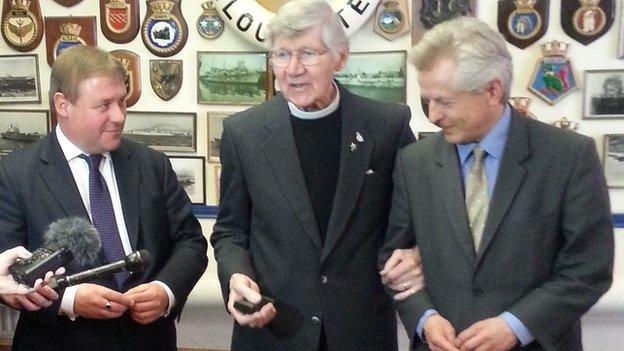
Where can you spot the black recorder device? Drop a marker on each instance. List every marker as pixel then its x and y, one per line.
pixel 43 260
pixel 248 307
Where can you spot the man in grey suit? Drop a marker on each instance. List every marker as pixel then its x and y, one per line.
pixel 515 259
pixel 133 199
pixel 305 192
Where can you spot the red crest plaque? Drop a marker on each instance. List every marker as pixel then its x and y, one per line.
pixel 119 20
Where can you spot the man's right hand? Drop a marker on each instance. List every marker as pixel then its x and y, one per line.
pixel 243 288
pixel 98 302
pixel 439 334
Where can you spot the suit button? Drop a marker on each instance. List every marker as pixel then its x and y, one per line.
pixel 323 279
pixel 316 320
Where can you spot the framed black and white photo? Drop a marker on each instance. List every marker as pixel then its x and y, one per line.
pixel 19 79
pixel 614 160
pixel 231 78
pixel 215 129
pixel 20 128
pixel 377 75
pixel 191 172
pixel 621 36
pixel 164 131
pixel 217 183
pixel 603 94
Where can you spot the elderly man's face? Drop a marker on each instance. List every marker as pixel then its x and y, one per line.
pixel 94 122
pixel 310 88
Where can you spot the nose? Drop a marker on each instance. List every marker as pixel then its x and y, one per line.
pixel 118 113
pixel 294 66
pixel 435 113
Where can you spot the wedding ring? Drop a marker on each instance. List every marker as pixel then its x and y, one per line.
pixel 405 286
pixel 108 305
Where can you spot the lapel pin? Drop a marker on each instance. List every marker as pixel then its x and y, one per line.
pixel 353 146
pixel 370 171
pixel 358 137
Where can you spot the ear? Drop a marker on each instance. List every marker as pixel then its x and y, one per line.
pixel 343 56
pixel 495 92
pixel 61 104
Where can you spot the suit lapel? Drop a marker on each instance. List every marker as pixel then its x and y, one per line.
pixel 57 176
pixel 510 176
pixel 127 174
pixel 354 162
pixel 452 195
pixel 281 152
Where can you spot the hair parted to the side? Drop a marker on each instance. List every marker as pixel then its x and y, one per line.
pixel 78 63
pixel 298 16
pixel 480 53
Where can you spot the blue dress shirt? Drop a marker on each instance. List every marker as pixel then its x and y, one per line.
pixel 494 145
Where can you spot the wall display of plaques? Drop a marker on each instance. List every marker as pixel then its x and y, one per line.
pixel 22 24
pixel 554 76
pixel 119 20
pixel 21 128
pixel 586 20
pixel 391 19
pixel 523 22
pixel 428 13
pixel 68 3
pixel 232 78
pixel 191 173
pixel 164 131
pixel 132 64
pixel 164 31
pixel 603 94
pixel 19 79
pixel 64 32
pixel 614 160
pixel 377 75
pixel 166 77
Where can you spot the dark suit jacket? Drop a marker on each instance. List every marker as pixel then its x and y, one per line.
pixel 37 188
pixel 267 230
pixel 547 249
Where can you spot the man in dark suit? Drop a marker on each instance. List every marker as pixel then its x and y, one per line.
pixel 305 193
pixel 134 201
pixel 511 215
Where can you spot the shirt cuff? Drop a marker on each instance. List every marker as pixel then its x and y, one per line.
pixel 421 323
pixel 522 333
pixel 169 294
pixel 67 303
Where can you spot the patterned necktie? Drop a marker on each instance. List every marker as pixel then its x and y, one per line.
pixel 103 216
pixel 477 197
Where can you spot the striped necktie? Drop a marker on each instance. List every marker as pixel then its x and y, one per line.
pixel 477 202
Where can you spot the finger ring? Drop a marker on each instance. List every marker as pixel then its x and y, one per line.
pixel 108 305
pixel 405 286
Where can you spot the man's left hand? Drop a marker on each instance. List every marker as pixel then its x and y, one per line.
pixel 150 302
pixel 403 272
pixel 492 334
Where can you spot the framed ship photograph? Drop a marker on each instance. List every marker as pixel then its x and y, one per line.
pixel 20 128
pixel 621 35
pixel 614 160
pixel 376 75
pixel 231 78
pixel 603 94
pixel 164 131
pixel 191 172
pixel 215 129
pixel 19 79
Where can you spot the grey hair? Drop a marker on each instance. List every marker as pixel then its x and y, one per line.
pixel 299 16
pixel 480 54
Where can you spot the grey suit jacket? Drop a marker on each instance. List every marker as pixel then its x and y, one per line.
pixel 37 188
pixel 266 227
pixel 547 249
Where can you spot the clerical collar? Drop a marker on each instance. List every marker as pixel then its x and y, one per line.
pixel 295 111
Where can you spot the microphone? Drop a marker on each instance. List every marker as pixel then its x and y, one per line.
pixel 134 262
pixel 66 239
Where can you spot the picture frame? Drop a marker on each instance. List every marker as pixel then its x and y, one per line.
pixel 20 128
pixel 603 94
pixel 232 78
pixel 191 173
pixel 217 182
pixel 422 135
pixel 19 79
pixel 621 36
pixel 378 75
pixel 215 129
pixel 163 131
pixel 614 160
